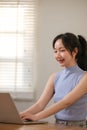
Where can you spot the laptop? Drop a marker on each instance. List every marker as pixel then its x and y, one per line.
pixel 9 112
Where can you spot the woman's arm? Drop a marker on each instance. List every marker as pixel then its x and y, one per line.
pixel 72 97
pixel 43 100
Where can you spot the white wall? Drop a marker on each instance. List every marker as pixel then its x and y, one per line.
pixel 55 17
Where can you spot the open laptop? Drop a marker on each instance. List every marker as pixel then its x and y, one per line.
pixel 9 113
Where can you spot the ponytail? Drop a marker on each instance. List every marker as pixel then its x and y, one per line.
pixel 82 57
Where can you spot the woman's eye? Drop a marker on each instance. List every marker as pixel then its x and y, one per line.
pixel 62 50
pixel 55 51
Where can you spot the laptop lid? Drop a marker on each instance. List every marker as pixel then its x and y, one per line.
pixel 9 113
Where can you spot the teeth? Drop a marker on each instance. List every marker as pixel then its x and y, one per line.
pixel 60 60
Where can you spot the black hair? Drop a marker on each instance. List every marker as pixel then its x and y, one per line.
pixel 70 42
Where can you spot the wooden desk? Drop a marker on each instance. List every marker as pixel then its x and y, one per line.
pixel 37 127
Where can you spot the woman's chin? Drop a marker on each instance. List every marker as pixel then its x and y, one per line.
pixel 62 64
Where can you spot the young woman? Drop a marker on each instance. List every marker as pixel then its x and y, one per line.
pixel 68 87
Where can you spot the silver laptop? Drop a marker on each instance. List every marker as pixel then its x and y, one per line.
pixel 9 113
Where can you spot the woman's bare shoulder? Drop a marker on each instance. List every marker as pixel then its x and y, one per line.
pixel 85 75
pixel 53 75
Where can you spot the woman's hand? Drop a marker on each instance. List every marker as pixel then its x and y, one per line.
pixel 28 116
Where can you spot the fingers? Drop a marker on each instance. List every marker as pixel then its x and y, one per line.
pixel 22 115
pixel 26 117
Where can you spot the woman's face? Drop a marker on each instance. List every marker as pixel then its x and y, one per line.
pixel 63 56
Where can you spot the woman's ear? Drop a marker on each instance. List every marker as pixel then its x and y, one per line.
pixel 76 50
pixel 74 53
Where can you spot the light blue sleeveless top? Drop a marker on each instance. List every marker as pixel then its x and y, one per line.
pixel 65 81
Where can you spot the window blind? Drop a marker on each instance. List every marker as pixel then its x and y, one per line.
pixel 18 22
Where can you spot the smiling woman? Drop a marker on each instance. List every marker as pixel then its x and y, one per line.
pixel 18 21
pixel 68 87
